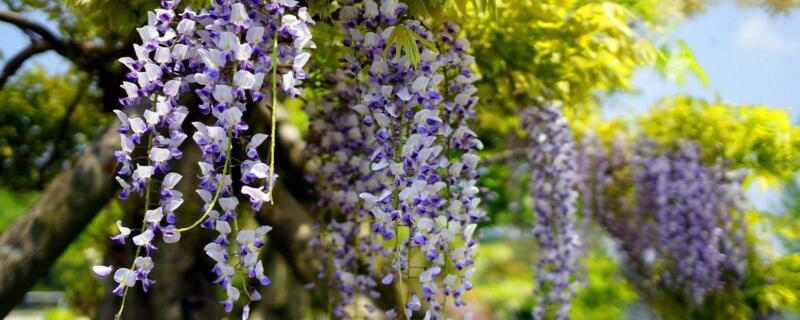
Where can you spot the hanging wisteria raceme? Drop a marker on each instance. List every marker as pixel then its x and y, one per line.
pixel 417 194
pixel 554 183
pixel 688 232
pixel 222 54
pixel 338 148
pixel 682 227
pixel 728 188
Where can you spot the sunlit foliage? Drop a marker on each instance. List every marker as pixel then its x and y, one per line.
pixel 45 122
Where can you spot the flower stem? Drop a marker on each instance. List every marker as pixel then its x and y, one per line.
pixel 272 115
pixel 144 221
pixel 219 187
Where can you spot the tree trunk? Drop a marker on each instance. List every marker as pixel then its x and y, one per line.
pixel 30 246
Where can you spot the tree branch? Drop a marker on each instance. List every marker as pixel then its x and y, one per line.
pixel 18 60
pixel 26 24
pixel 87 55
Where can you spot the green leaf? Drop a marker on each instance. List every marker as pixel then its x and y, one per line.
pixel 687 55
pixel 461 5
pixel 406 42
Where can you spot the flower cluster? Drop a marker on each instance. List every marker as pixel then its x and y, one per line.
pixel 397 156
pixel 554 183
pixel 222 55
pixel 338 147
pixel 681 226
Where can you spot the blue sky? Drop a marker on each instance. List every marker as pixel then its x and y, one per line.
pixel 14 41
pixel 750 57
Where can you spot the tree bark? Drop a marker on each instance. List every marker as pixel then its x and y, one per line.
pixel 30 246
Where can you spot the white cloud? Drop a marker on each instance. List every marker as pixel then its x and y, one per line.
pixel 756 34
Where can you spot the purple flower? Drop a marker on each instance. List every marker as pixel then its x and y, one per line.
pixel 222 54
pixel 553 185
pixel 684 225
pixel 394 150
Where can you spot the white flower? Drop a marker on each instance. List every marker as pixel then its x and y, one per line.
pixel 222 227
pixel 300 60
pixel 256 194
pixel 244 79
pixel 124 231
pixel 144 238
pixel 217 252
pixel 171 180
pixel 469 230
pixel 414 303
pixel 143 172
pixel 162 55
pixel 179 51
pixel 151 118
pixel 288 81
pixel 123 183
pixel 144 263
pixel 419 84
pixel 159 155
pixel 228 204
pixel 223 93
pixel 244 52
pixel 131 89
pixel 370 9
pixel 141 53
pixel 153 71
pixel 371 200
pixel 231 117
pixel 148 33
pixel 122 117
pixel 137 125
pixel 255 35
pixel 257 140
pixel 213 58
pixel 232 292
pixel 125 277
pixel 404 95
pixel 389 8
pixel 162 107
pixel 262 230
pixel 171 88
pixel 260 170
pixel 228 41
pixel 186 26
pixel 239 14
pixel 102 271
pixel 153 216
pixel 171 236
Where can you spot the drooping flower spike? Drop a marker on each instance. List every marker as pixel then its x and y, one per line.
pixel 412 162
pixel 554 194
pixel 224 55
pixel 683 230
